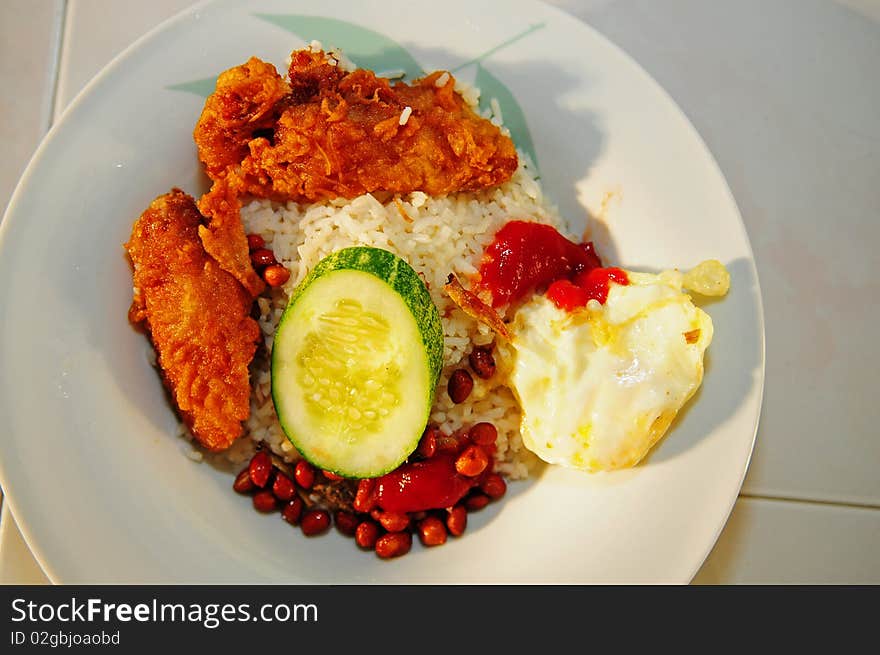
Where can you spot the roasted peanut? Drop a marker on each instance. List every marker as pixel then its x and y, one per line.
pixel 260 468
pixel 482 362
pixel 346 522
pixel 393 544
pixel 263 257
pixel 283 487
pixel 393 521
pixel 243 483
pixel 366 534
pixel 304 474
pixel 365 497
pixel 432 532
pixel 264 501
pixel 314 522
pixel 293 510
pixel 276 275
pixel 460 385
pixel 475 501
pixel 428 443
pixel 494 486
pixel 456 521
pixel 483 434
pixel 472 461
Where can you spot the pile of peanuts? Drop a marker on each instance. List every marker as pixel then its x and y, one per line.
pixel 264 262
pixel 389 534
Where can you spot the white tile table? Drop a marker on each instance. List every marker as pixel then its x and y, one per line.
pixel 786 96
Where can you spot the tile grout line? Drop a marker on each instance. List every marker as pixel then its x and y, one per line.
pixel 55 75
pixel 812 501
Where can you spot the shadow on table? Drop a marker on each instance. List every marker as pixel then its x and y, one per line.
pixel 732 363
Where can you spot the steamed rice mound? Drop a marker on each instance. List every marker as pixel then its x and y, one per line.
pixel 436 236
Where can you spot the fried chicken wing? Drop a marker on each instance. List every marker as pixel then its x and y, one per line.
pixel 244 103
pixel 224 238
pixel 198 318
pixel 331 133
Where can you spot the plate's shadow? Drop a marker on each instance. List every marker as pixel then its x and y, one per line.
pixel 556 124
pixel 732 363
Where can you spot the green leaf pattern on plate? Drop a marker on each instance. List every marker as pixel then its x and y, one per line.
pixel 202 88
pixel 514 118
pixel 370 49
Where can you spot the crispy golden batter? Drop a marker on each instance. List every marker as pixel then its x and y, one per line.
pixel 329 133
pixel 197 316
pixel 244 102
pixel 224 238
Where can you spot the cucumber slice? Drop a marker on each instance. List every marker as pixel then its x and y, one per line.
pixel 355 362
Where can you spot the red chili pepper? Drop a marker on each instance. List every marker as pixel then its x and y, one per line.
pixel 597 282
pixel 428 484
pixel 566 295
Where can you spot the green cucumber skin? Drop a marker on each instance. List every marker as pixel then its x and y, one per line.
pixel 402 278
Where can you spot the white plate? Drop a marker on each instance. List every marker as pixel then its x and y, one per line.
pixel 89 461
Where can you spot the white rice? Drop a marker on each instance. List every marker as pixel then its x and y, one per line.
pixel 497 118
pixel 393 74
pixel 436 236
pixel 334 57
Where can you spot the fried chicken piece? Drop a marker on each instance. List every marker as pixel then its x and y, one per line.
pixel 224 238
pixel 331 133
pixel 198 318
pixel 244 103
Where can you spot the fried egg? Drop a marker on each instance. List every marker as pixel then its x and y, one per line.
pixel 599 386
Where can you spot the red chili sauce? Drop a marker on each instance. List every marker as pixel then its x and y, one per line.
pixel 526 256
pixel 432 483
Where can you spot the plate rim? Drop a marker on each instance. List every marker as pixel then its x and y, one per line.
pixel 120 58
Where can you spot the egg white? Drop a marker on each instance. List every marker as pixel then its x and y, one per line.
pixel 598 387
